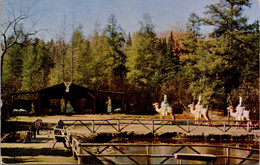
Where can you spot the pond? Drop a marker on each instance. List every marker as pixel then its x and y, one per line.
pixel 166 150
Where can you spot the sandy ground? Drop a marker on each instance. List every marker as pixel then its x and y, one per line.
pixel 56 118
pixel 137 127
pixel 40 151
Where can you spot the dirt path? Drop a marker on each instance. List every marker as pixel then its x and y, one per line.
pixel 52 120
pixel 39 151
pixel 56 118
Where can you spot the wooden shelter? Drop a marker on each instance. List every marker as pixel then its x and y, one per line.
pixel 118 99
pixel 71 98
pixel 56 99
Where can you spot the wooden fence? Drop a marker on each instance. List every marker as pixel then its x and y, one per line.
pixel 98 150
pixel 155 125
pixel 91 150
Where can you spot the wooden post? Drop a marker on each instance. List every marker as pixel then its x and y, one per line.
pixel 247 126
pixel 228 116
pixel 93 126
pixel 227 153
pixel 153 127
pixel 224 129
pixel 148 161
pixel 178 161
pixel 73 147
pixel 79 157
pixel 118 125
pixel 188 125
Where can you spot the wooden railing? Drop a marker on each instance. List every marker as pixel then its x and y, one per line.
pixel 154 125
pixel 146 147
pixel 96 150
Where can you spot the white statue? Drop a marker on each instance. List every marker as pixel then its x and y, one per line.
pixel 109 105
pixel 164 105
pixel 240 108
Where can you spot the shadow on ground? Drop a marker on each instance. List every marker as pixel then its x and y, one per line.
pixel 15 160
pixel 34 152
pixel 13 126
pixel 95 160
pixel 13 153
pixel 41 139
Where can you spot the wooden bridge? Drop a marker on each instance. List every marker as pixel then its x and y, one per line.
pixel 177 151
pixel 153 126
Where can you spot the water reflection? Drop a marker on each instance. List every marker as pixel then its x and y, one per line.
pixel 166 150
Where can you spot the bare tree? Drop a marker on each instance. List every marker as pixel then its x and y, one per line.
pixel 11 29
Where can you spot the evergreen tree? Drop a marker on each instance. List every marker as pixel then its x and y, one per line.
pixel 215 66
pixel 129 40
pixel 100 64
pixel 190 56
pixel 58 51
pixel 12 71
pixel 142 57
pixel 11 77
pixel 116 41
pixel 37 62
pixel 226 17
pixel 238 40
pixel 169 63
pixel 201 65
pixel 80 51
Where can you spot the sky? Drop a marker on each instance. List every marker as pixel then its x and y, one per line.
pixel 50 16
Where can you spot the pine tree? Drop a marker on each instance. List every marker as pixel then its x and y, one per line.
pixel 58 51
pixel 201 65
pixel 129 40
pixel 216 66
pixel 169 63
pixel 81 51
pixel 239 49
pixel 12 71
pixel 99 66
pixel 142 57
pixel 116 41
pixel 37 62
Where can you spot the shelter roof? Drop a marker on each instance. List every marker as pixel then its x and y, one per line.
pixel 61 88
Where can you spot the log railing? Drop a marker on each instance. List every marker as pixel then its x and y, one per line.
pixel 155 125
pixel 119 152
pixel 97 150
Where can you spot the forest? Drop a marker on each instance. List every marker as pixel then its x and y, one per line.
pixel 219 66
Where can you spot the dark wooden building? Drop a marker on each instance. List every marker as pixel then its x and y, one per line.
pixel 55 99
pixel 71 98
